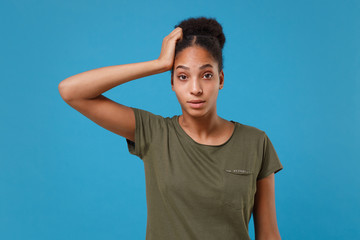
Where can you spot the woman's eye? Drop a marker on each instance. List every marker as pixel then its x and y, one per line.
pixel 180 77
pixel 208 74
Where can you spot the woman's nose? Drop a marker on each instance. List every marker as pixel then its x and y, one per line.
pixel 196 87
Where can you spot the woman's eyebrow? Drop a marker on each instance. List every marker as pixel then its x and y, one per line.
pixel 202 67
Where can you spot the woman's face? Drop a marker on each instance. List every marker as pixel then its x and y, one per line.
pixel 196 77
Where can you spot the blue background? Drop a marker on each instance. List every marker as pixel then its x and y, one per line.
pixel 292 69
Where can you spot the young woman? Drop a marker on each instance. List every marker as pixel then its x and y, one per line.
pixel 205 175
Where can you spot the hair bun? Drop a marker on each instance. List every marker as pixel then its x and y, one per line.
pixel 203 26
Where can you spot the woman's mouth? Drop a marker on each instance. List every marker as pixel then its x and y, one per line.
pixel 196 104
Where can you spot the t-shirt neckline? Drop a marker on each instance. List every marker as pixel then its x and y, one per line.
pixel 182 132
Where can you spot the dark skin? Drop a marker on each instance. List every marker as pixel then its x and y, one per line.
pixel 191 81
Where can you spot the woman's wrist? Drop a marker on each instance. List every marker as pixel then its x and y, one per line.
pixel 163 67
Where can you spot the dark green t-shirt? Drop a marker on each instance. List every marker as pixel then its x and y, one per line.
pixel 196 191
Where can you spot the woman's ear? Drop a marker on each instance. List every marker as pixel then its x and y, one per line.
pixel 221 79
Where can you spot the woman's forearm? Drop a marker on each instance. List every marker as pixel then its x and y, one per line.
pixel 92 83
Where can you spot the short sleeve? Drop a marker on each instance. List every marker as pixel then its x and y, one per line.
pixel 270 160
pixel 147 127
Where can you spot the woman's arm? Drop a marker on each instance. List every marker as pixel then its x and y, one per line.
pixel 92 83
pixel 264 211
pixel 83 91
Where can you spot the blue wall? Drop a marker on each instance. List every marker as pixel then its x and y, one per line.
pixel 292 68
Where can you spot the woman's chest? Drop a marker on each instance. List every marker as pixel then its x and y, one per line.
pixel 207 179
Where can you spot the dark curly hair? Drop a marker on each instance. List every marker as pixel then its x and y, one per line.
pixel 203 32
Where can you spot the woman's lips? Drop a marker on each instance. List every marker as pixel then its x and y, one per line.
pixel 196 104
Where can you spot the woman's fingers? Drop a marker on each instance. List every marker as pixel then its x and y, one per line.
pixel 175 31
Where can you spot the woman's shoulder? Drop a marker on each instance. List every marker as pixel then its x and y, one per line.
pixel 250 130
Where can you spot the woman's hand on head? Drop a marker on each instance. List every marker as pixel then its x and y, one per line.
pixel 167 54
